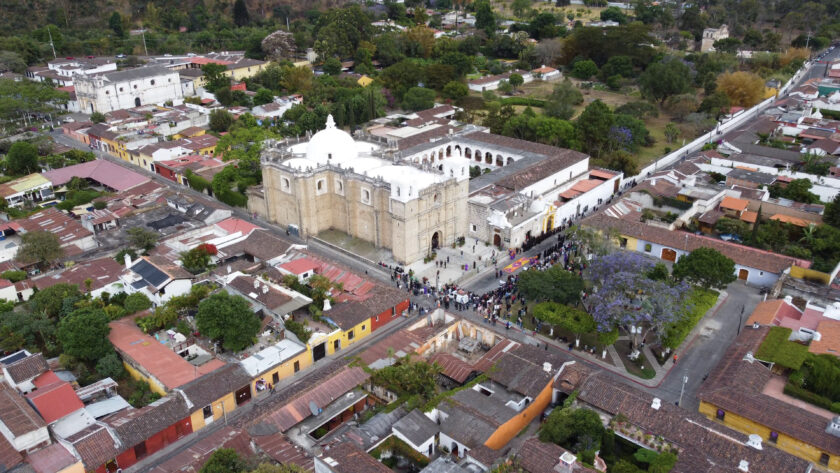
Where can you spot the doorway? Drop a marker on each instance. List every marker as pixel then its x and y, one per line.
pixel 243 395
pixel 137 102
pixel 743 274
pixel 435 241
pixel 669 255
pixel 549 223
pixel 497 240
pixel 319 351
pixel 336 345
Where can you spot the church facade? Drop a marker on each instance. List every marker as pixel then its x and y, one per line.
pixel 334 182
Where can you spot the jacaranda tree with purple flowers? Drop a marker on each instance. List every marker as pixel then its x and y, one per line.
pixel 623 296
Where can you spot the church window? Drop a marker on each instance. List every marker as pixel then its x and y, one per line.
pixel 321 186
pixel 398 191
pixel 152 82
pixel 286 184
pixel 339 187
pixel 365 196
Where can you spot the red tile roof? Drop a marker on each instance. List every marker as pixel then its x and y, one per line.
pixel 191 458
pixel 101 272
pixel 154 357
pixel 743 255
pixel 300 265
pixel 452 367
pixel 351 459
pixel 734 203
pixel 55 401
pixel 52 220
pixel 9 457
pixel 51 459
pixel 233 225
pixel 16 414
pixel 104 172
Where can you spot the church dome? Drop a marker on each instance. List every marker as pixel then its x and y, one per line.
pixel 331 145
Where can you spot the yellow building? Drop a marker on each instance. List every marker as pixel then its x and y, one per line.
pixel 190 132
pixel 364 81
pixel 215 395
pixel 275 363
pixel 740 395
pixel 245 68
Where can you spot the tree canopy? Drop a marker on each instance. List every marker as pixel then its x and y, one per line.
pixel 228 319
pixel 21 159
pixel 576 429
pixel 554 284
pixel 84 334
pixel 39 247
pixel 568 318
pixel 706 267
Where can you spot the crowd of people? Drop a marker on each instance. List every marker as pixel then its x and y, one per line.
pixel 496 305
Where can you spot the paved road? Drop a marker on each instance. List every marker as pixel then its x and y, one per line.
pixel 820 66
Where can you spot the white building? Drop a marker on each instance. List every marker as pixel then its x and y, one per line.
pixel 493 82
pixel 127 89
pixel 158 279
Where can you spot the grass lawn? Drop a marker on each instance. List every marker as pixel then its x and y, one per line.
pixel 641 367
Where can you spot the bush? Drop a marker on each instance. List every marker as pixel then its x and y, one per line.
pixel 523 101
pixel 13 276
pixel 700 301
pixel 110 366
pixel 136 302
pixel 299 329
pixel 809 397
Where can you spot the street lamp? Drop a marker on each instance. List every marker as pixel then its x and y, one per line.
pixel 682 389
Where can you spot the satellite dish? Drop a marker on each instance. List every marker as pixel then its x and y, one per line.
pixel 314 408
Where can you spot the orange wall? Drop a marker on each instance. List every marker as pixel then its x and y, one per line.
pixel 512 427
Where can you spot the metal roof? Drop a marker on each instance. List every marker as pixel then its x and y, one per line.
pixel 152 275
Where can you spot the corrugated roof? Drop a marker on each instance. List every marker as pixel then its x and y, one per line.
pixel 322 395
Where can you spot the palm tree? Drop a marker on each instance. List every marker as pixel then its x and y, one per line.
pixel 809 234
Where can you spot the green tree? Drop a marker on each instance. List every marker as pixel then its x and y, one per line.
pixel 561 102
pixel 229 319
pixel 84 334
pixel 97 117
pixel 831 215
pixel 706 267
pixel 671 132
pixel 664 79
pixel 485 19
pixel 594 126
pixel 214 77
pixel 455 90
pixel 196 260
pixel 797 189
pixel 136 302
pixel 40 247
pixel 613 14
pixel 49 301
pixel 220 120
pixel 520 7
pixel 554 284
pixel 110 366
pixel 263 96
pixel 22 158
pixel 332 66
pixel 516 80
pixel 240 13
pixel 716 104
pixel 585 69
pixel 406 377
pixel 142 239
pixel 576 429
pixel 224 460
pixel 28 95
pixel 115 22
pixel 568 318
pixel 418 98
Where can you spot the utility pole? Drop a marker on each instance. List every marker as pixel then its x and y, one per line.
pixel 143 32
pixel 51 42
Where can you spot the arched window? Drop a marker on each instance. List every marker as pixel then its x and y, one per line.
pixel 152 82
pixel 398 191
pixel 435 197
pixel 286 184
pixel 365 196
